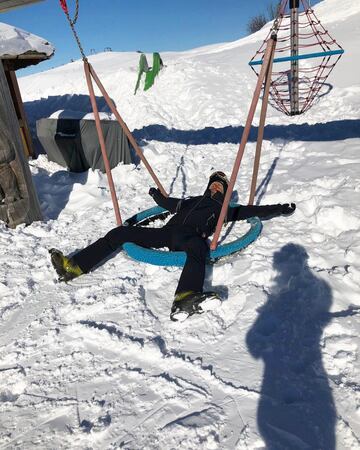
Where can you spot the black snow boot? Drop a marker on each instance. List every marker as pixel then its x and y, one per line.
pixel 188 303
pixel 65 267
pixel 288 209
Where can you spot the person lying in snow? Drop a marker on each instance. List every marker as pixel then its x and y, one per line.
pixel 194 220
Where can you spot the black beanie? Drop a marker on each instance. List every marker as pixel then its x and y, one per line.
pixel 219 177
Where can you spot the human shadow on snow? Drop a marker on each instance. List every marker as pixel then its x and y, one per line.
pixel 329 131
pixel 296 409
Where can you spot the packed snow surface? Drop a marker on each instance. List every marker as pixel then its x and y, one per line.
pixel 97 363
pixel 15 42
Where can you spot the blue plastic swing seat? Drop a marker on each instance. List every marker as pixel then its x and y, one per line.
pixel 169 258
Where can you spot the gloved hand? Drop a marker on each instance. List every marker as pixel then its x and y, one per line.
pixel 287 209
pixel 153 192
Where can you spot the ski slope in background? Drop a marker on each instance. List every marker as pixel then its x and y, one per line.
pixel 98 364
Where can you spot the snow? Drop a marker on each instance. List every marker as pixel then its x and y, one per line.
pixel 14 42
pixel 98 364
pixel 69 114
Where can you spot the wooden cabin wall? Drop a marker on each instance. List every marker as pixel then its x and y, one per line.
pixel 18 198
pixel 19 110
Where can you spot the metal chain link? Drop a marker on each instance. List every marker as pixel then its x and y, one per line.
pixel 275 26
pixel 72 23
pixel 76 15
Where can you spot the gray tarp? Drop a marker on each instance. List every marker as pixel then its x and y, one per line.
pixel 74 143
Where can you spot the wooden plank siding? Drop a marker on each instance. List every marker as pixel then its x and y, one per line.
pixel 18 198
pixel 20 112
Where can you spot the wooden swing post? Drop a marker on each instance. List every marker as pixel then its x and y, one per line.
pixel 102 142
pixel 126 130
pixel 260 137
pixel 245 136
pixel 89 74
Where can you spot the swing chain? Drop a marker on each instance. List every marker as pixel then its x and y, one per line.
pixel 76 15
pixel 275 27
pixel 72 23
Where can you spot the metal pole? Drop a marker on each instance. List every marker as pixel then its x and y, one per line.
pixel 264 106
pixel 294 72
pixel 126 130
pixel 245 136
pixel 102 142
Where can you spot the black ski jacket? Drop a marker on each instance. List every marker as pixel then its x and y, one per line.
pixel 202 212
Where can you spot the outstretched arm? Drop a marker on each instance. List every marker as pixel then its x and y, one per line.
pixel 172 204
pixel 264 212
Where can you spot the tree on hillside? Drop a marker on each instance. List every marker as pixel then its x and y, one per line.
pixel 273 9
pixel 258 21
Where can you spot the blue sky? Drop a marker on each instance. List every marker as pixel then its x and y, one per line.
pixel 130 25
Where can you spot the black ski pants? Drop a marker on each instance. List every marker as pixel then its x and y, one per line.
pixel 176 238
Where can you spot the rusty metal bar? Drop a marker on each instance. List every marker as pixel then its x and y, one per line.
pixel 102 142
pixel 260 137
pixel 126 130
pixel 294 71
pixel 244 139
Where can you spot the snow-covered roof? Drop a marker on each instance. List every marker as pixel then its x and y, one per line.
pixel 7 5
pixel 21 45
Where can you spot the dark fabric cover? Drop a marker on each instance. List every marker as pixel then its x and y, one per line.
pixel 74 143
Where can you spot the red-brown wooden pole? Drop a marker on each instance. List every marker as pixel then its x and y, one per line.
pixel 126 130
pixel 264 106
pixel 102 143
pixel 244 139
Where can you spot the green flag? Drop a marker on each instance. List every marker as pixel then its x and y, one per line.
pixel 151 74
pixel 143 67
